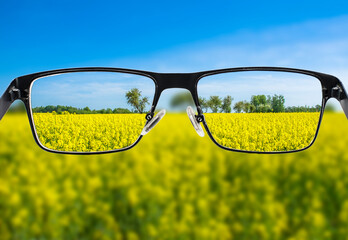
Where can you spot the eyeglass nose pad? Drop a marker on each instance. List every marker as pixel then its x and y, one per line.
pixel 153 122
pixel 195 124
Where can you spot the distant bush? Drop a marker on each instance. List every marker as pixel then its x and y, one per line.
pixel 62 109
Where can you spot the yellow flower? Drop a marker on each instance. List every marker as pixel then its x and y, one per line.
pixel 15 199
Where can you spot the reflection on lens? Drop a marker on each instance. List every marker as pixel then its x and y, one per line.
pixel 261 111
pixel 90 111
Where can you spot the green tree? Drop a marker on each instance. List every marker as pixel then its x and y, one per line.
pixel 258 100
pixel 135 99
pixel 203 103
pixel 181 100
pixel 269 100
pixel 277 103
pixel 248 107
pixel 121 110
pixel 238 107
pixel 214 103
pixel 251 108
pixel 226 104
pixel 264 108
pixel 18 107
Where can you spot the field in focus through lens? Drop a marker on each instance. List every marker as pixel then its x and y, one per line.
pixel 261 111
pixel 88 132
pixel 263 132
pixel 90 111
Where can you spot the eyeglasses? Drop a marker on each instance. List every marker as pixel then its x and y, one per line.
pixel 102 110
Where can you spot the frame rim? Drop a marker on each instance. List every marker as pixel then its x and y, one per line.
pixel 61 71
pixel 164 81
pixel 263 69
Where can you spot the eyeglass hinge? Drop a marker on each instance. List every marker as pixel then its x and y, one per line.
pixel 149 116
pixel 199 118
pixel 15 93
pixel 336 92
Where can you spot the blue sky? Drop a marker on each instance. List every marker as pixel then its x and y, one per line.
pixel 172 36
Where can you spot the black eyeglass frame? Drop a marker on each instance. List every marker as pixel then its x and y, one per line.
pixel 20 89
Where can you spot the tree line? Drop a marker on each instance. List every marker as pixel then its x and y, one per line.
pixel 257 104
pixel 68 109
pixel 133 96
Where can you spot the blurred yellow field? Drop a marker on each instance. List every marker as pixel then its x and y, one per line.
pixel 173 185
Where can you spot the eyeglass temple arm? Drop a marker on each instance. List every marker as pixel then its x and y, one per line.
pixel 342 97
pixel 10 95
pixel 344 105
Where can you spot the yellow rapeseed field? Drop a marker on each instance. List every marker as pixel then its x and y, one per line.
pixel 88 132
pixel 173 185
pixel 263 132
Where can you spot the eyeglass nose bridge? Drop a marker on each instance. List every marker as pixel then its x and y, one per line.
pixel 175 80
